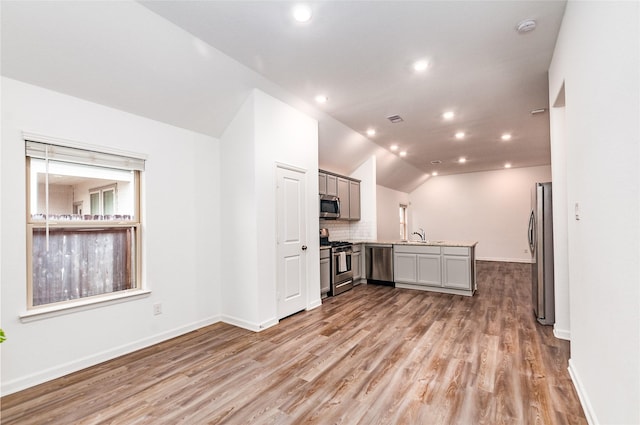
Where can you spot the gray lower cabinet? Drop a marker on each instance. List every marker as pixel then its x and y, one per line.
pixel 456 265
pixel 435 268
pixel 429 272
pixel 325 271
pixel 356 263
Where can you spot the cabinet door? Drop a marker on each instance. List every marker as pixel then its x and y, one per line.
pixel 356 265
pixel 456 272
pixel 322 183
pixel 325 275
pixel 332 185
pixel 404 268
pixel 429 270
pixel 343 194
pixel 354 200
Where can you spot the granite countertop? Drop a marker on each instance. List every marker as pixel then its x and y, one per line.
pixel 467 244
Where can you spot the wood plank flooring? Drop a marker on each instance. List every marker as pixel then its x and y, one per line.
pixel 373 355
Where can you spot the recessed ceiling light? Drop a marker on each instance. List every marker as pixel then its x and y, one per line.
pixel 462 160
pixel 507 165
pixel 435 173
pixel 403 153
pixel 448 115
pixel 301 13
pixel 420 65
pixel 460 135
pixel 393 147
pixel 321 98
pixel 506 136
pixel 371 132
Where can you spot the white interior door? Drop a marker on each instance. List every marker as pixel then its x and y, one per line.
pixel 292 239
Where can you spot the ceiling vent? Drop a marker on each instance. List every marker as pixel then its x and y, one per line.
pixel 395 119
pixel 436 162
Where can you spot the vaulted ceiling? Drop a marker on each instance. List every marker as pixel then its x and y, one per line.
pixel 192 63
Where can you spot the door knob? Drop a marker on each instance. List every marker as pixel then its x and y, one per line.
pixel 304 247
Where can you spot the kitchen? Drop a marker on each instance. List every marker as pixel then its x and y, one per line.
pixel 500 225
pixel 447 207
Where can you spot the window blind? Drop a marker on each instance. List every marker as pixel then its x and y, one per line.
pixel 54 152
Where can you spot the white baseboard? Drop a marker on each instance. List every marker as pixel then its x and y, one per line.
pixel 582 395
pixel 40 377
pixel 251 326
pixel 506 260
pixel 314 304
pixel 562 333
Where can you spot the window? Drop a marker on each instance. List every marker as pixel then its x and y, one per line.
pixel 102 200
pixel 403 222
pixel 71 255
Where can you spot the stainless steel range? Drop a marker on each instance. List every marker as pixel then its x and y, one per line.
pixel 341 273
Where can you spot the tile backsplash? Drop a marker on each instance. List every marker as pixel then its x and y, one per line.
pixel 348 230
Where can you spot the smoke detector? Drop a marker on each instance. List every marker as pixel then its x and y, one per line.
pixel 526 26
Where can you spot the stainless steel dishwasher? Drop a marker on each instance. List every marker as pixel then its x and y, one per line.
pixel 379 262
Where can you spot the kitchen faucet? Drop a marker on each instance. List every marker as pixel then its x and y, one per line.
pixel 420 232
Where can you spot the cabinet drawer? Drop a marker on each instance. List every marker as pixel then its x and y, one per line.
pixel 357 247
pixel 325 253
pixel 455 250
pixel 413 249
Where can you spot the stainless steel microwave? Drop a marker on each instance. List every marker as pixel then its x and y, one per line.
pixel 329 207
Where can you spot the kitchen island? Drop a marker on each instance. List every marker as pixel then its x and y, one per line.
pixel 437 265
pixel 441 266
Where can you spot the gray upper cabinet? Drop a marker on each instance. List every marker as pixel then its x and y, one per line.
pixel 332 185
pixel 322 183
pixel 343 194
pixel 347 189
pixel 354 200
pixel 327 184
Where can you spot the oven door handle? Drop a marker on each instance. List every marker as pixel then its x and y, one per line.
pixel 347 282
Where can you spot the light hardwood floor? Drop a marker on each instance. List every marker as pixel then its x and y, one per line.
pixel 373 355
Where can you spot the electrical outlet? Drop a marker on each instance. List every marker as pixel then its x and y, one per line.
pixel 526 251
pixel 157 309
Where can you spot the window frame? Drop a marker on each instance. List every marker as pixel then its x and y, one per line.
pixel 135 223
pixel 402 212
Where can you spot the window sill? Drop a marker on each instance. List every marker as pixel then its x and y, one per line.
pixel 46 312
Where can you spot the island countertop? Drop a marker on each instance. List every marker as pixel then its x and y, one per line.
pixel 439 242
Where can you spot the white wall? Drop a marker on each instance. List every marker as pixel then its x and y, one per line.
pixel 264 132
pixel 490 207
pixel 597 59
pixel 180 237
pixel 562 327
pixel 366 228
pixel 389 201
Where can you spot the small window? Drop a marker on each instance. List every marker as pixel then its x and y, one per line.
pixel 72 255
pixel 403 222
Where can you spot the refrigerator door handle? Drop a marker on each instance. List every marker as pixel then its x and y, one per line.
pixel 532 232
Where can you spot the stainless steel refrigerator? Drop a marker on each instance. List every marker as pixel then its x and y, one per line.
pixel 540 236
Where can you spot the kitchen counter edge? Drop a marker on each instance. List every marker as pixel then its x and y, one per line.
pixel 467 244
